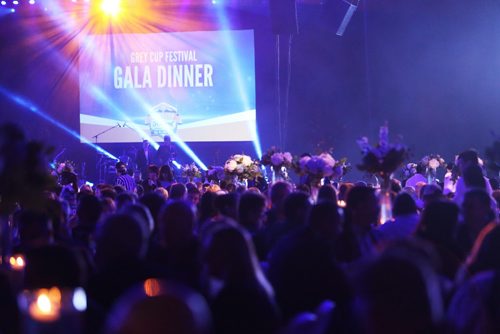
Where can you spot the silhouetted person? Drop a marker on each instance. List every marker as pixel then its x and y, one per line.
pixel 405 221
pixel 178 247
pixel 359 237
pixel 438 225
pixel 160 307
pixel 121 244
pixel 397 294
pixel 145 157
pixel 88 213
pixel 242 301
pixel 165 153
pixel 302 266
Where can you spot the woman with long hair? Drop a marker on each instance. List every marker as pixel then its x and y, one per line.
pixel 242 300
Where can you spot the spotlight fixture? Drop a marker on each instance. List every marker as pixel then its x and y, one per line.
pixel 111 7
pixel 3 3
pixel 15 2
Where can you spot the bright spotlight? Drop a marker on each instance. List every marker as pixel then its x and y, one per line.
pixel 31 2
pixel 111 7
pixel 12 10
pixel 15 2
pixel 3 3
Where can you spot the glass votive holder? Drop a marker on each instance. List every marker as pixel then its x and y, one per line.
pixel 52 310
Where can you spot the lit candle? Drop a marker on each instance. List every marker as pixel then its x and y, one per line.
pixel 17 262
pixel 46 306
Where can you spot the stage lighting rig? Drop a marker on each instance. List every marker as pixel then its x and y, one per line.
pixel 348 15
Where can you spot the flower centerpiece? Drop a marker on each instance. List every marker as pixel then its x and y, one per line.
pixel 315 167
pixel 382 160
pixel 409 170
pixel 240 167
pixel 190 171
pixel 65 166
pixel 340 169
pixel 278 161
pixel 431 163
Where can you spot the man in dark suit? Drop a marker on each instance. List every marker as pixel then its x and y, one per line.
pixel 165 152
pixel 145 157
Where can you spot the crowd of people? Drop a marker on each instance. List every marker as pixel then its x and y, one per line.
pixel 181 258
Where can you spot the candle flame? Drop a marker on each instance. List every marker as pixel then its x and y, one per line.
pixel 44 304
pixel 17 262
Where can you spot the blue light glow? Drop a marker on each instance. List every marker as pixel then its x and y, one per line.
pixel 21 101
pixel 235 65
pixel 107 102
pixel 184 147
pixel 176 164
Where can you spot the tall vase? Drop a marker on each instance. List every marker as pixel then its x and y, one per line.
pixel 278 173
pixel 314 186
pixel 273 175
pixel 240 182
pixel 431 176
pixel 385 201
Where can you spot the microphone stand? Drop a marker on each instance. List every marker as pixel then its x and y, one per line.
pixel 109 129
pixel 100 163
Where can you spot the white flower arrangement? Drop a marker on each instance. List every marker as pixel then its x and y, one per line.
pixel 433 162
pixel 242 166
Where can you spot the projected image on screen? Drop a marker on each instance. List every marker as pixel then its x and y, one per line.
pixel 194 86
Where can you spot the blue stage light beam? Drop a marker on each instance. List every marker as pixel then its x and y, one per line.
pixel 6 10
pixel 167 128
pixel 107 102
pixel 176 164
pixel 233 59
pixel 178 140
pixel 25 103
pixel 99 94
pixel 110 104
pixel 69 27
